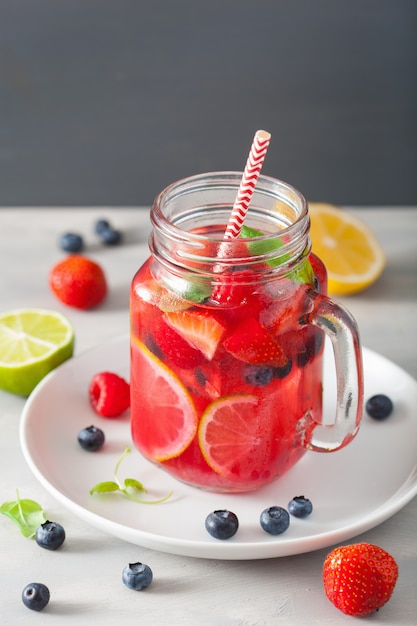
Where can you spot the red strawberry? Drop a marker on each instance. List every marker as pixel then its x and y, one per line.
pixel 109 394
pixel 359 578
pixel 252 343
pixel 78 282
pixel 199 328
pixel 234 289
pixel 174 347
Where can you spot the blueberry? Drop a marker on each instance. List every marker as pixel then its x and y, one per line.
pixel 150 343
pixel 35 596
pixel 275 520
pixel 111 237
pixel 108 235
pixel 282 372
pixel 91 438
pixel 71 242
pixel 137 576
pixel 379 407
pixel 312 346
pixel 100 226
pixel 300 507
pixel 200 376
pixel 50 535
pixel 222 524
pixel 258 375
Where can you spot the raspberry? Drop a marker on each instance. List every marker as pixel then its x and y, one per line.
pixel 79 282
pixel 109 394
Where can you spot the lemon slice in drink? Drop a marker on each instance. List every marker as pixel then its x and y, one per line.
pixel 32 343
pixel 353 256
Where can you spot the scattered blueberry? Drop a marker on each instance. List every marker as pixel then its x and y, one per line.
pixel 91 438
pixel 50 535
pixel 111 237
pixel 300 507
pixel 71 242
pixel 35 596
pixel 222 524
pixel 108 235
pixel 379 407
pixel 275 520
pixel 258 375
pixel 100 226
pixel 137 576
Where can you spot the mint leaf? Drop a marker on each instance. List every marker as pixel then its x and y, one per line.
pixel 27 514
pixel 134 484
pixel 105 487
pixel 191 291
pixel 304 274
pixel 264 246
pixel 128 485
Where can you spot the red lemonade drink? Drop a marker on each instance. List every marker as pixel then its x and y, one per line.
pixel 227 341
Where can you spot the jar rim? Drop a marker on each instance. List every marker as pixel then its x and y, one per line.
pixel 185 212
pixel 265 185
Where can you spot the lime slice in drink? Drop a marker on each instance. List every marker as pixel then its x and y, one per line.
pixel 32 343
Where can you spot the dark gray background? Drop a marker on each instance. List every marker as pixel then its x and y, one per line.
pixel 105 102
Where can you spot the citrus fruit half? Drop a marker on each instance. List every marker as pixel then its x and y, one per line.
pixel 165 420
pixel 32 343
pixel 233 438
pixel 353 256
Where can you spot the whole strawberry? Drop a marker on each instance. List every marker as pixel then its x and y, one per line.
pixel 360 578
pixel 79 282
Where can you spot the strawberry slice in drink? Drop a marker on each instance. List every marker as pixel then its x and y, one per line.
pixel 174 347
pixel 252 343
pixel 200 329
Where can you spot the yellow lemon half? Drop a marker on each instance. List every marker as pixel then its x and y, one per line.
pixel 349 249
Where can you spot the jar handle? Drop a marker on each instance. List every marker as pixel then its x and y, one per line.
pixel 341 327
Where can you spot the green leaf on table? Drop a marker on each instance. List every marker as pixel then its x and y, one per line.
pixel 27 514
pixel 134 484
pixel 105 487
pixel 129 485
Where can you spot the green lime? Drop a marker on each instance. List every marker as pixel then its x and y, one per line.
pixel 32 343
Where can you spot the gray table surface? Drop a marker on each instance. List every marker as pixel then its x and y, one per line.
pixel 84 577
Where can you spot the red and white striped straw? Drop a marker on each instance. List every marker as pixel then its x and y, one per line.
pixel 250 177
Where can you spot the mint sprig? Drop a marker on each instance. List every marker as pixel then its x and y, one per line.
pixel 27 514
pixel 129 488
pixel 304 273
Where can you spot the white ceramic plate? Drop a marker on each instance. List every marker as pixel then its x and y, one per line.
pixel 352 490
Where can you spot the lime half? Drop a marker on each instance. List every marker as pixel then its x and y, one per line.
pixel 32 343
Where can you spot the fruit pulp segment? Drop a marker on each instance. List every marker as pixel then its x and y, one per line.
pixel 237 405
